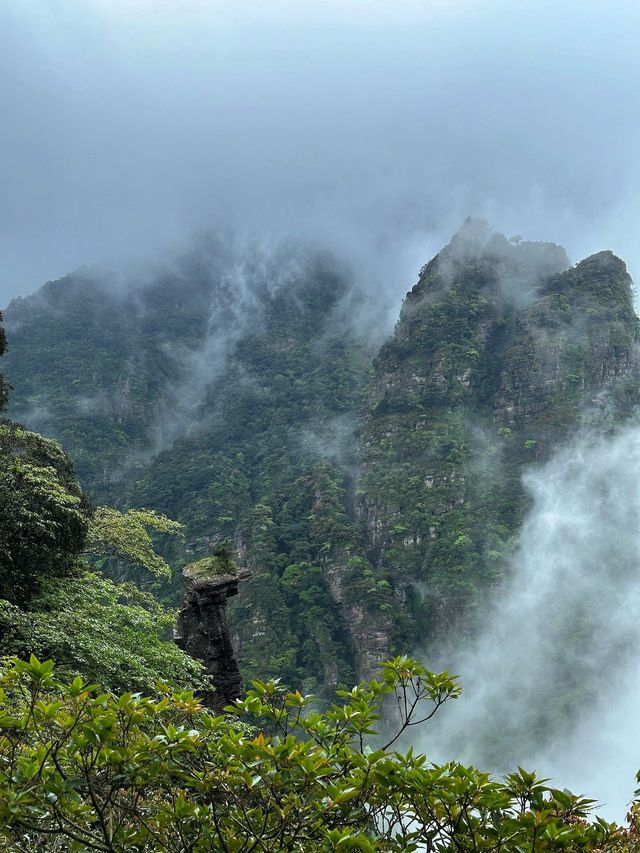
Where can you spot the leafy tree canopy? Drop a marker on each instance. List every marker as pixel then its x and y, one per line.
pixel 125 535
pixel 113 633
pixel 50 603
pixel 43 514
pixel 86 770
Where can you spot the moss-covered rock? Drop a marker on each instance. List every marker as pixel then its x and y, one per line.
pixel 217 568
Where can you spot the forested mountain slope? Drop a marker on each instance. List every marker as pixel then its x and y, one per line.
pixel 224 391
pixel 500 354
pixel 374 497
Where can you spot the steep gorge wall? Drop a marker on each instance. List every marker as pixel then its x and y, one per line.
pixel 480 380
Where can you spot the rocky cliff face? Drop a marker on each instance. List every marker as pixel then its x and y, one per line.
pixel 573 348
pixel 500 353
pixel 202 630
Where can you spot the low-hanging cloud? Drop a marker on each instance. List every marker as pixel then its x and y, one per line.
pixel 553 682
pixel 519 267
pixel 372 128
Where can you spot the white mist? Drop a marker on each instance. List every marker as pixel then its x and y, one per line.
pixel 553 682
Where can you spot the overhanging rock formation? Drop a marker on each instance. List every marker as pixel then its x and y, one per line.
pixel 202 630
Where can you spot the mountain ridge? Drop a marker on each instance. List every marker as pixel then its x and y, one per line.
pixel 375 498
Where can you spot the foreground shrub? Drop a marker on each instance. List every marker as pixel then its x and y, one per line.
pixel 85 770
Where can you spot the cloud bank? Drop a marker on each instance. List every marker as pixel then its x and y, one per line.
pixel 371 128
pixel 554 683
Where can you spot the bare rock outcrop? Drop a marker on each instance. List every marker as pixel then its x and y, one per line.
pixel 202 630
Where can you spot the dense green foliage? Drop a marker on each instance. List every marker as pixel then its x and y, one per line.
pixel 112 633
pixel 375 501
pixel 51 603
pixel 211 393
pixel 124 535
pixel 44 519
pixel 92 626
pixel 95 377
pixel 85 770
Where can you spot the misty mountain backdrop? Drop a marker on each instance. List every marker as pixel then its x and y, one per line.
pixel 376 489
pixel 319 409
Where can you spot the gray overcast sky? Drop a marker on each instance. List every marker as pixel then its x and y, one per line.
pixel 373 127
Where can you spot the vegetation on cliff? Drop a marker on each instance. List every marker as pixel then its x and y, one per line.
pixel 375 501
pixel 53 602
pixel 233 386
pixel 500 354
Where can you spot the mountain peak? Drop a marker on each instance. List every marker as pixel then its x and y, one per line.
pixel 606 260
pixel 477 240
pixel 515 268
